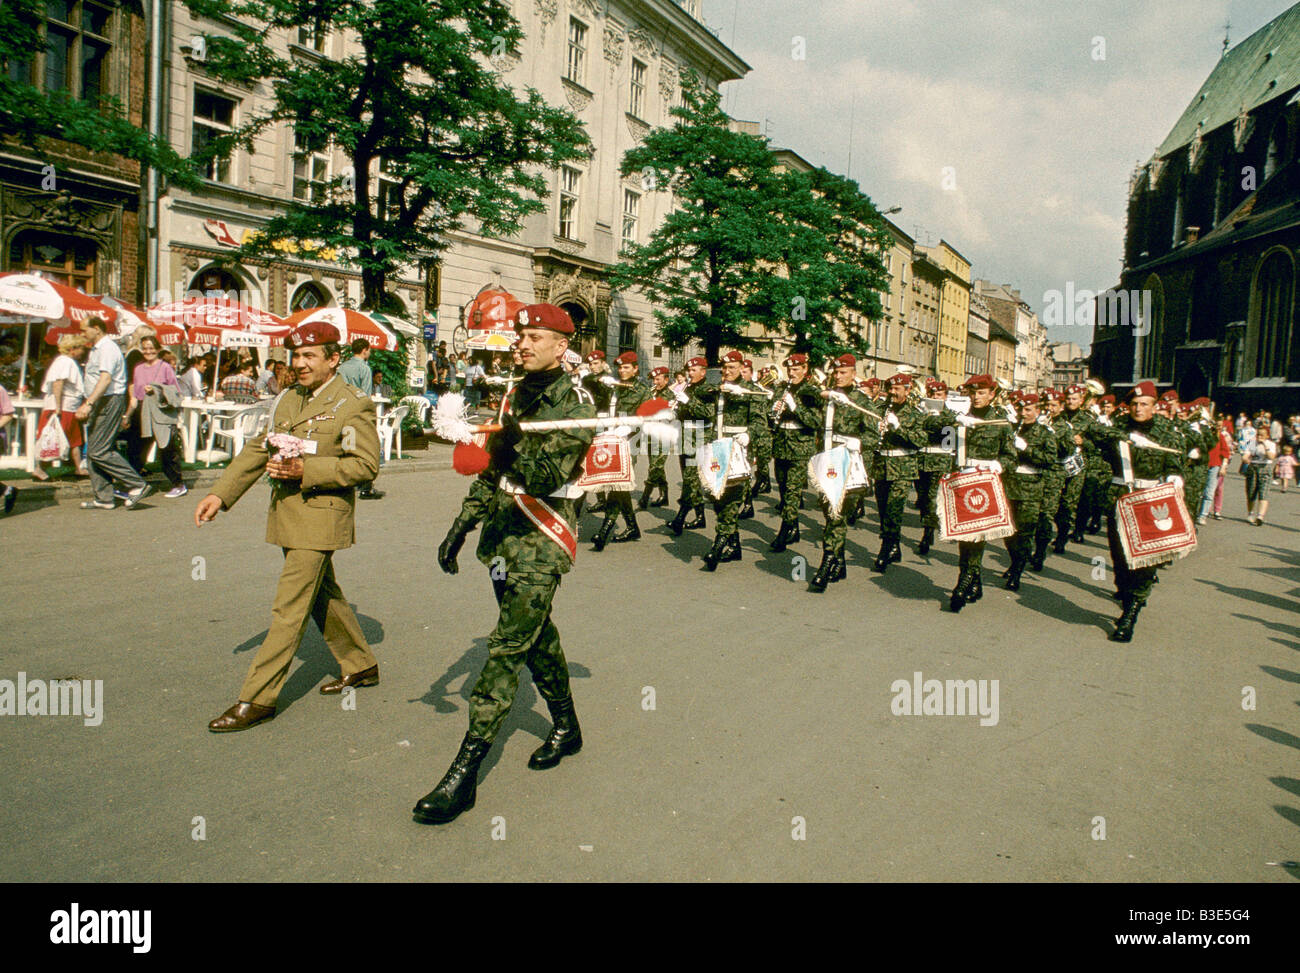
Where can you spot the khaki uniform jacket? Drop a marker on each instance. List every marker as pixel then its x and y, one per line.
pixel 317 513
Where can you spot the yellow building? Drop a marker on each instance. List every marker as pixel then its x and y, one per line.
pixel 954 310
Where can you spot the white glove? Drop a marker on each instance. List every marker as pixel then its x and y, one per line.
pixel 1137 439
pixel 838 396
pixel 734 389
pixel 788 399
pixel 992 465
pixel 623 431
pixel 1195 453
pixel 853 443
pixel 965 420
pixel 743 439
pixel 680 396
pixel 891 421
pixel 1020 444
pixel 608 380
pixel 1175 479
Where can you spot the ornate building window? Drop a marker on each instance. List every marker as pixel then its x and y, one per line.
pixel 308 296
pixel 313 36
pixel 570 187
pixel 575 68
pixel 1273 158
pixel 1269 338
pixel 388 192
pixel 77 51
pixel 627 335
pixel 67 259
pixel 636 100
pixel 631 216
pixel 311 167
pixel 214 116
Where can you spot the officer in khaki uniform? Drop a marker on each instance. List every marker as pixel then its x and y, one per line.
pixel 311 516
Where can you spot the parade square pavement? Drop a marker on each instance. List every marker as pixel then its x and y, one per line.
pixel 736 726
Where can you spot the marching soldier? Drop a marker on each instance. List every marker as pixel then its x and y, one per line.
pixel 1204 437
pixel 894 466
pixel 657 477
pixel 1156 455
pixel 1078 419
pixel 989 445
pixel 935 459
pixel 794 441
pixel 1036 453
pixel 692 497
pixel 735 412
pixel 850 421
pixel 1097 474
pixel 524 500
pixel 1053 475
pixel 760 446
pixel 626 394
pixel 313 496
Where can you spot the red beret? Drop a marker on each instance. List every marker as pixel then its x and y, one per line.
pixel 798 358
pixel 697 362
pixel 596 356
pixel 979 382
pixel 846 361
pixel 627 358
pixel 748 364
pixel 873 382
pixel 1106 398
pixel 312 333
pixel 659 370
pixel 1076 390
pixel 1170 396
pixel 1030 398
pixel 1147 389
pixel 1053 395
pixel 545 316
pixel 733 357
pixel 933 385
pixel 899 379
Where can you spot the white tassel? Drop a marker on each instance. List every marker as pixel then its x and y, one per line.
pixel 450 419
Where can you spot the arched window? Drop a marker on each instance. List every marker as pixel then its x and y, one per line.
pixel 1276 147
pixel 1179 188
pixel 67 259
pixel 1273 305
pixel 309 297
pixel 215 282
pixel 1150 315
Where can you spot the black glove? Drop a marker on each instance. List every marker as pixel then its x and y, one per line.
pixel 501 447
pixel 451 546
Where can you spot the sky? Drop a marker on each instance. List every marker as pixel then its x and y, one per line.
pixel 1009 129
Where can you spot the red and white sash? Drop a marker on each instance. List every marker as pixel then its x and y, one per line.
pixel 548 522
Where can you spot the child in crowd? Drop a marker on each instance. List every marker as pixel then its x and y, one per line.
pixel 1286 464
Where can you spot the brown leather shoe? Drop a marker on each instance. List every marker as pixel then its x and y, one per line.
pixel 240 717
pixel 366 677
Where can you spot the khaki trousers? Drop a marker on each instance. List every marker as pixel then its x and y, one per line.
pixel 307 589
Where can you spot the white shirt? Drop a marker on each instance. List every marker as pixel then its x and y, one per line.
pixel 74 392
pixel 106 357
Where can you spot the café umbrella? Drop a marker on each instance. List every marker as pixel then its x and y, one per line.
pixel 28 298
pixel 375 328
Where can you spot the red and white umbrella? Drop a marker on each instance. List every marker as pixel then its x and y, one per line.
pixel 129 318
pixel 218 313
pixel 351 325
pixel 28 298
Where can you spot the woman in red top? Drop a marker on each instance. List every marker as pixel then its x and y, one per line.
pixel 1219 457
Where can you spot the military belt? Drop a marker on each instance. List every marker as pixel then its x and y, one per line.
pixel 734 430
pixel 569 490
pixel 1138 484
pixel 792 425
pixel 937 450
pixel 895 452
pixel 1031 470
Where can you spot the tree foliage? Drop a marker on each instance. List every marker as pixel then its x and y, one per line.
pixel 417 91
pixel 748 242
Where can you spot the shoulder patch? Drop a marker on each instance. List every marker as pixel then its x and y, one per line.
pixel 584 395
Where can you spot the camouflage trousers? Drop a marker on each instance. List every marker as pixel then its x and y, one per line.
pixel 619 502
pixel 1194 487
pixel 1135 585
pixel 1092 500
pixel 1053 484
pixel 927 497
pixel 891 501
pixel 727 509
pixel 692 492
pixel 1027 514
pixel 791 481
pixel 971 555
pixel 524 636
pixel 658 474
pixel 837 528
pixel 1068 510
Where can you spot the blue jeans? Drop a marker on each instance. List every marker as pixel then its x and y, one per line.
pixel 1207 497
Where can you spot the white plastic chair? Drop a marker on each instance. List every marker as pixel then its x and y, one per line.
pixel 420 404
pixel 390 425
pixel 238 428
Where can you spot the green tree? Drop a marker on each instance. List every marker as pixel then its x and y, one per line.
pixel 29 113
pixel 416 93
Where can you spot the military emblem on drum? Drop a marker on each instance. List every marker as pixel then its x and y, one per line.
pixel 1154 526
pixel 973 507
pixel 608 463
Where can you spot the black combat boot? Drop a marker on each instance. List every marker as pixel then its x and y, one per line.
pixel 679 522
pixel 976 585
pixel 1058 546
pixel 663 496
pixel 1077 536
pixel 644 502
pixel 747 511
pixel 1124 625
pixel 456 791
pixel 714 555
pixel 895 551
pixel 602 536
pixel 565 738
pixel 763 484
pixel 927 538
pixel 782 539
pixel 697 522
pixel 731 550
pixel 1040 553
pixel 841 569
pixel 961 593
pixel 1013 578
pixel 885 557
pixel 824 573
pixel 633 532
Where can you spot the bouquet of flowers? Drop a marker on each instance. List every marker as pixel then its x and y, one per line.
pixel 281 446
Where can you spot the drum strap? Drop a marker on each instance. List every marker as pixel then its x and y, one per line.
pixel 961 447
pixel 1126 463
pixel 829 424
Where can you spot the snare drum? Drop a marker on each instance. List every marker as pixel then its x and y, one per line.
pixel 1073 464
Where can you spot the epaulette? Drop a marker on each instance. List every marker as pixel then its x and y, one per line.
pixel 583 394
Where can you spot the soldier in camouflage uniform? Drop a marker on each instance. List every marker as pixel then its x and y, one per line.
pixel 1204 433
pixel 989 445
pixel 1096 476
pixel 626 394
pixel 692 497
pixel 894 465
pixel 844 424
pixel 1078 419
pixel 657 477
pixel 794 441
pixel 527 485
pixel 760 446
pixel 1053 474
pixel 1036 454
pixel 730 412
pixel 935 460
pixel 1157 456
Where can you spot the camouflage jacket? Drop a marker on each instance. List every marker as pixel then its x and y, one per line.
pixel 851 422
pixel 1024 480
pixel 760 445
pixel 1079 423
pixel 896 453
pixel 1148 463
pixel 991 439
pixel 737 411
pixel 795 435
pixel 626 400
pixel 542 466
